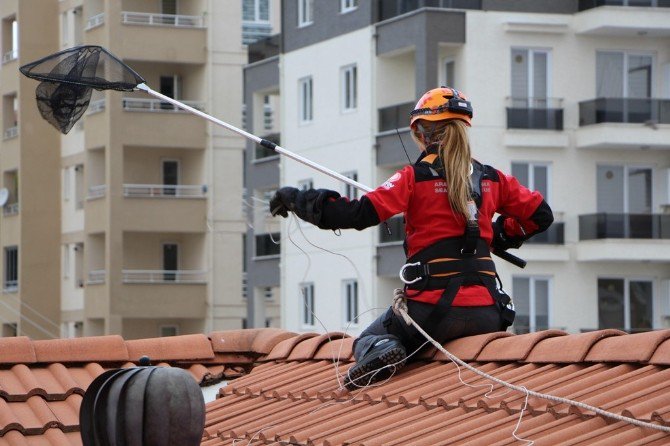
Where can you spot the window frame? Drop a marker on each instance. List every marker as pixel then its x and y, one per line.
pixel 13 272
pixel 256 11
pixel 305 13
pixel 350 316
pixel 347 6
pixel 348 190
pixel 530 55
pixel 626 298
pixel 530 165
pixel 162 327
pixel 626 55
pixel 532 297
pixel 349 88
pixel 305 100
pixel 445 62
pixel 625 196
pixel 308 319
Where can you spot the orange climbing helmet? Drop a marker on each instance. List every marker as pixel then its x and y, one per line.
pixel 440 104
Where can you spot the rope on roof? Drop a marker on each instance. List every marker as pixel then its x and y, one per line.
pixel 400 305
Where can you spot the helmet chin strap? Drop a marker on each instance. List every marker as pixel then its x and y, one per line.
pixel 427 135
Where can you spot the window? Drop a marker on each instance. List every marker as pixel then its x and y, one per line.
pixel 79 186
pixel 531 302
pixel 11 282
pixel 305 101
pixel 267 113
pixel 267 245
pixel 623 75
pixel 624 189
pixel 66 184
pixel 349 88
pixel 66 261
pixel 535 176
pixel 530 72
pixel 256 10
pixel 307 293
pixel 170 171
pixel 268 293
pixel 625 304
pixel 305 12
pixel 350 296
pixel 348 190
pixel 450 73
pixel 348 5
pixel 168 330
pixel 306 184
pixel 170 261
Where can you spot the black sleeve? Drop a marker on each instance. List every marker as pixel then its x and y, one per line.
pixel 543 217
pixel 342 213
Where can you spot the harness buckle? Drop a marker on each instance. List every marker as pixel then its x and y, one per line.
pixel 402 273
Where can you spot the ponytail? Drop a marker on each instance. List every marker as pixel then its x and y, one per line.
pixel 455 155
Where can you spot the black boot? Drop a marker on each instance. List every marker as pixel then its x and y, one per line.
pixel 384 358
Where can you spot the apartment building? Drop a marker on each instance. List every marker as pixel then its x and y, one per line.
pixel 133 222
pixel 572 97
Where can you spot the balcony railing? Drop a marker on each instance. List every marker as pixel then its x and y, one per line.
pixel 164 191
pixel 95 21
pixel 96 277
pixel 10 56
pixel 149 19
pixel 628 226
pixel 554 235
pixel 395 116
pixel 11 209
pixel 264 48
pixel 390 9
pixel 254 31
pixel 156 105
pixel 10 286
pixel 95 192
pixel 11 132
pixel 534 113
pixel 164 276
pixel 392 231
pixel 624 110
pixel 589 4
pixel 96 106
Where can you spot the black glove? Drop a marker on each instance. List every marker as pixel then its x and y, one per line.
pixel 501 241
pixel 307 204
pixel 283 201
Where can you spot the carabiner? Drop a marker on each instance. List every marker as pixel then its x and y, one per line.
pixel 402 271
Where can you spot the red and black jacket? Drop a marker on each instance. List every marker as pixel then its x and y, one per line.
pixel 420 192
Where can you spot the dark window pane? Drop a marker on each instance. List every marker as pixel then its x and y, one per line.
pixel 640 305
pixel 610 303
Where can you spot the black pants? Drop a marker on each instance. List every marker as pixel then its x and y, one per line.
pixel 457 323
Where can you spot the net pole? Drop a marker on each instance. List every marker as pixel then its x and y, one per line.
pixel 256 139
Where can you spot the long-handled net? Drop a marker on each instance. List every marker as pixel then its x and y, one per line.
pixel 68 77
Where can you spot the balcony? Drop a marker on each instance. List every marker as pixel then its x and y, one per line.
pixel 164 276
pixel 162 294
pixel 255 31
pixel 10 209
pixel 536 114
pixel 262 49
pixel 96 277
pixel 95 21
pixel 164 191
pixel 627 123
pixel 10 56
pixel 165 37
pixel 11 133
pixel 623 18
pixel 390 9
pixel 624 237
pixel 153 123
pixel 393 134
pixel 165 208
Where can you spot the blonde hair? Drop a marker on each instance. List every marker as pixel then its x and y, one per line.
pixel 456 158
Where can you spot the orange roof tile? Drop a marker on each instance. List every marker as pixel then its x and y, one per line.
pixel 285 388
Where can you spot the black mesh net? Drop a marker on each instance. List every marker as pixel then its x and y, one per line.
pixel 68 78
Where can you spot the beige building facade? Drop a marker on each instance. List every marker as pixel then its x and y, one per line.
pixel 139 207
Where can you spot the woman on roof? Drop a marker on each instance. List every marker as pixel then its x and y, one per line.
pixel 448 200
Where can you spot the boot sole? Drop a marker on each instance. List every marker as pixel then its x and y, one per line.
pixel 363 374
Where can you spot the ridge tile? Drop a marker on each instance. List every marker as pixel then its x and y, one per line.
pixel 515 348
pixel 17 350
pixel 470 347
pixel 568 349
pixel 282 350
pixel 638 347
pixel 89 349
pixel 169 348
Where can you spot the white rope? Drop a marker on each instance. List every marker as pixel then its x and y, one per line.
pixel 402 309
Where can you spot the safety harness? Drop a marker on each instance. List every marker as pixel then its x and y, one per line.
pixel 453 262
